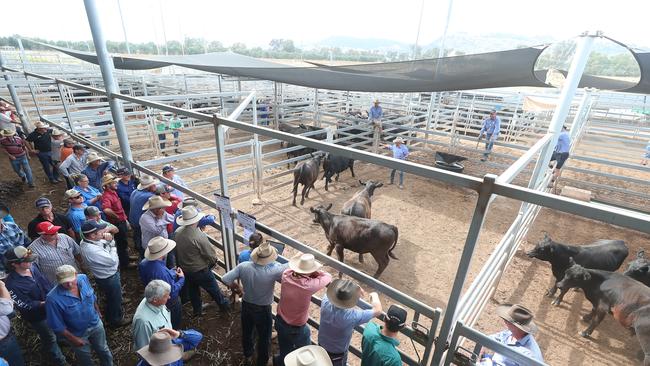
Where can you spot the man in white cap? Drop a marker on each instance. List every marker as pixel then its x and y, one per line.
pixel 308 356
pixel 518 335
pixel 300 281
pixel 490 129
pixel 41 138
pixel 197 256
pixel 100 255
pixel 166 347
pixel 339 316
pixel 153 268
pixel 168 172
pixel 96 169
pixel 154 220
pixel 73 314
pixel 17 152
pixel 258 279
pixel 138 199
pixel 401 152
pixel 76 207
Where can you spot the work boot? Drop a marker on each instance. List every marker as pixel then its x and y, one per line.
pixel 125 321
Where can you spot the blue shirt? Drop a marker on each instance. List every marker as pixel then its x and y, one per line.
pixel 245 256
pixel 95 175
pixel 563 142
pixel 124 191
pixel 491 126
pixel 375 113
pixel 337 325
pixel 76 217
pixel 156 270
pixel 258 281
pixel 28 292
pixel 136 202
pixel 11 236
pixel 189 340
pixel 400 152
pixel 76 314
pixel 89 194
pixel 526 346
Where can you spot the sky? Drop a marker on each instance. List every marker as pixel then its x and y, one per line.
pixel 256 22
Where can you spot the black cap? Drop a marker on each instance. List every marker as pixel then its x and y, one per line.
pixel 90 226
pixel 395 318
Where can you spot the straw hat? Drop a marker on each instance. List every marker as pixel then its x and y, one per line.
pixel 308 356
pixel 264 254
pixel 304 263
pixel 189 215
pixel 7 133
pixel 399 140
pixel 57 133
pixel 147 181
pixel 65 273
pixel 158 247
pixel 160 350
pixel 188 201
pixel 518 316
pixel 343 294
pixel 40 124
pixel 108 179
pixel 156 202
pixel 93 156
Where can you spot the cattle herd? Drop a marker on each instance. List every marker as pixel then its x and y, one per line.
pixel 591 268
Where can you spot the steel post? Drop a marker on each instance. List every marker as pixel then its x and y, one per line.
pixel 316 115
pixel 66 109
pixel 106 67
pixel 24 120
pixel 227 236
pixel 484 193
pixel 275 104
pixel 257 156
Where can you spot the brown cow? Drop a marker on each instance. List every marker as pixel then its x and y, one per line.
pixel 357 234
pixel 306 173
pixel 360 204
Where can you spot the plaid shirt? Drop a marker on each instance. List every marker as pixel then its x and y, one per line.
pixel 11 236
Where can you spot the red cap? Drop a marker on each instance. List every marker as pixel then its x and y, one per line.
pixel 47 228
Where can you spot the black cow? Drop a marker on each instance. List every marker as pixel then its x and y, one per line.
pixel 358 235
pixel 360 204
pixel 639 268
pixel 603 254
pixel 298 130
pixel 336 165
pixel 627 299
pixel 305 173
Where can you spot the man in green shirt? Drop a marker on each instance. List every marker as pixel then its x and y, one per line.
pixel 176 125
pixel 379 343
pixel 161 127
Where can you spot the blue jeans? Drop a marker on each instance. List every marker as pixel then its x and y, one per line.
pixel 176 134
pixel 48 165
pixel 112 289
pixel 10 350
pixel 49 347
pixel 203 279
pixel 162 137
pixel 176 310
pixel 489 143
pixel 290 338
pixel 22 168
pixel 401 177
pixel 338 359
pixel 95 338
pixel 258 318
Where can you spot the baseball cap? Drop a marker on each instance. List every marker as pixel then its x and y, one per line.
pixel 90 226
pixel 42 202
pixel 70 193
pixel 163 188
pixel 65 273
pixel 122 172
pixel 20 254
pixel 395 318
pixel 167 168
pixel 47 228
pixel 91 211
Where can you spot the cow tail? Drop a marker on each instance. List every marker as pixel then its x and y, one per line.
pixel 390 251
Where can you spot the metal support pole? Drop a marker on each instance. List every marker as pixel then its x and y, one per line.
pixel 226 234
pixel 126 40
pixel 484 194
pixel 428 125
pixel 223 112
pixel 33 93
pixel 66 109
pixel 257 155
pixel 579 118
pixel 24 121
pixel 316 115
pixel 106 67
pixel 275 104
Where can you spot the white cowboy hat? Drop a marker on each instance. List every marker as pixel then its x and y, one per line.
pixel 158 247
pixel 399 140
pixel 264 254
pixel 147 181
pixel 304 264
pixel 308 356
pixel 160 350
pixel 108 179
pixel 40 124
pixel 57 133
pixel 93 156
pixel 188 201
pixel 189 215
pixel 156 202
pixel 343 294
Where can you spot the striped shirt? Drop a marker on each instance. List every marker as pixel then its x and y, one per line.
pixel 73 165
pixel 11 236
pixel 14 146
pixel 51 257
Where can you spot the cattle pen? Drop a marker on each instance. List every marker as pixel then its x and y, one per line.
pixel 471 226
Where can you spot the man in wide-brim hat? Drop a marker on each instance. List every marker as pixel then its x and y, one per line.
pixel 17 152
pixel 302 280
pixel 155 219
pixel 137 200
pixel 518 335
pixel 115 214
pixel 258 279
pixel 167 345
pixel 96 169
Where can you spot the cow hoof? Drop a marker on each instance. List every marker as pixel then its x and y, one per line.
pixel 584 334
pixel 586 318
pixel 556 302
pixel 549 293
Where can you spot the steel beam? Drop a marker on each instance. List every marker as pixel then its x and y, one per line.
pixel 24 120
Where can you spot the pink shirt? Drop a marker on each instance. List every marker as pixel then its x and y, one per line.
pixel 295 295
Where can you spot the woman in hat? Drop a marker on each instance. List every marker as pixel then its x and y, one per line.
pixel 91 195
pixel 17 151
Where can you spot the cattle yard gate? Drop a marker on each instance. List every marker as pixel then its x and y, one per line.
pixel 231 146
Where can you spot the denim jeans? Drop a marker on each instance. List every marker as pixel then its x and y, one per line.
pixel 95 338
pixel 137 240
pixel 49 346
pixel 176 135
pixel 122 244
pixel 489 143
pixel 112 290
pixel 48 165
pixel 10 350
pixel 175 308
pixel 258 318
pixel 401 177
pixel 22 168
pixel 290 338
pixel 203 279
pixel 338 359
pixel 162 137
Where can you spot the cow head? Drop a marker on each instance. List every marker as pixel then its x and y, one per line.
pixel 639 267
pixel 371 185
pixel 543 250
pixel 319 211
pixel 574 276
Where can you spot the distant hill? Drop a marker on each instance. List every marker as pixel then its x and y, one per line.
pixel 367 44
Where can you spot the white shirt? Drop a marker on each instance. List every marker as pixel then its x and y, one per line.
pixel 101 257
pixel 6 308
pixel 178 180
